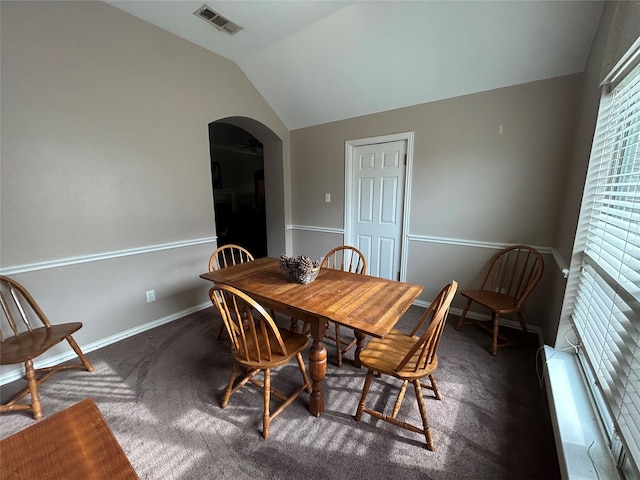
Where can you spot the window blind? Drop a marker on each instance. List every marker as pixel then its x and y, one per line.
pixel 605 281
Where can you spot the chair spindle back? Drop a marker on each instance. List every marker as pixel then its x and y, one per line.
pixel 424 350
pixel 17 302
pixel 228 255
pixel 253 333
pixel 347 259
pixel 514 271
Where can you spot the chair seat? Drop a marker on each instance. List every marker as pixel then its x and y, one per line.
pixel 385 354
pixel 29 345
pixel 294 343
pixel 497 302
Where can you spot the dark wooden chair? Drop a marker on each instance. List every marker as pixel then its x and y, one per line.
pixel 347 259
pixel 30 334
pixel 409 358
pixel 258 345
pixel 508 280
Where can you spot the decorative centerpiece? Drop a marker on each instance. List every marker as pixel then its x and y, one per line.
pixel 299 269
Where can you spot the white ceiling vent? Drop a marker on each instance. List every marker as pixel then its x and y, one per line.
pixel 217 20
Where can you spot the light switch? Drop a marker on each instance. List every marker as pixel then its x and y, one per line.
pixel 327 197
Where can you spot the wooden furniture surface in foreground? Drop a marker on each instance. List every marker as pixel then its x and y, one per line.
pixel 75 443
pixel 368 305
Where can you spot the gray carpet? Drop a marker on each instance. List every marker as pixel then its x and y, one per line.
pixel 159 391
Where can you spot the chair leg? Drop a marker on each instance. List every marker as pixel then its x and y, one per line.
pixel 36 408
pixel 305 330
pixel 36 376
pixel 522 324
pixel 267 400
pixel 494 341
pixel 360 337
pixel 220 332
pixel 76 348
pixel 396 407
pixel 340 351
pixel 423 413
pixel 338 345
pixel 229 390
pixel 434 387
pixel 365 392
pixel 305 377
pixel 464 314
pixel 294 325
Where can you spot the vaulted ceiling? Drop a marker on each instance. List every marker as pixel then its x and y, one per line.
pixel 320 61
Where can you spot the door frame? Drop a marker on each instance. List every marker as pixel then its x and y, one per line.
pixel 350 146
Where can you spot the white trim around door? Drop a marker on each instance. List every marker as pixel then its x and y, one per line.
pixel 350 146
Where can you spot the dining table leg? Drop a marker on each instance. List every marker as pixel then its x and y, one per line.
pixel 317 366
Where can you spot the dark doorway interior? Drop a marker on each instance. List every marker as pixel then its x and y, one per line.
pixel 237 176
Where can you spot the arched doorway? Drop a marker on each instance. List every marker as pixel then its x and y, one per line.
pixel 247 181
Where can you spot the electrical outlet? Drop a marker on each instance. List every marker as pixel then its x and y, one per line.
pixel 327 197
pixel 151 296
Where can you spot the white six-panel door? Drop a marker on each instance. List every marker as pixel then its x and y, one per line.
pixel 376 205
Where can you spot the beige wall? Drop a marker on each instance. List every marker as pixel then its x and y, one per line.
pixel 472 186
pixel 104 157
pixel 474 189
pixel 105 152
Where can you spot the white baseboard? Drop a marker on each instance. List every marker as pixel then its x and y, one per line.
pixel 18 372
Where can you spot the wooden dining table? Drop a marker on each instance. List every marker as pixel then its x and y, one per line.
pixel 368 305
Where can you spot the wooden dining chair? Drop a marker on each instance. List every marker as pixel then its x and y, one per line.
pixel 509 278
pixel 409 358
pixel 25 334
pixel 348 259
pixel 228 255
pixel 258 345
pixel 224 257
